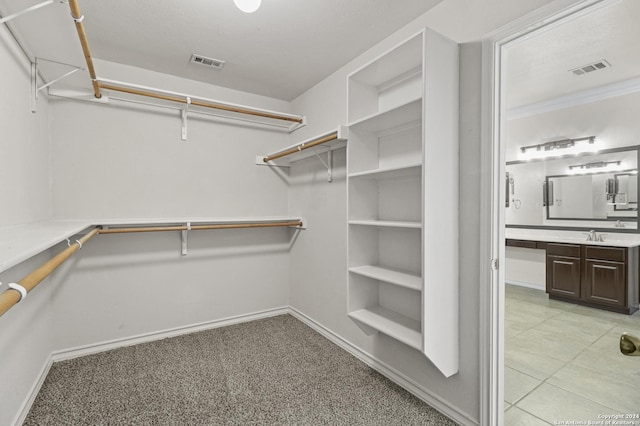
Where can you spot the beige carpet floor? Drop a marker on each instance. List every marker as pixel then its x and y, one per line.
pixel 275 371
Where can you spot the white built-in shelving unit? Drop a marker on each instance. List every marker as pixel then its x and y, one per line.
pixel 403 197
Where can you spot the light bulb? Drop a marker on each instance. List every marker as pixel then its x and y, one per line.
pixel 248 6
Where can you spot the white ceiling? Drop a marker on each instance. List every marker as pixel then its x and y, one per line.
pixel 283 49
pixel 538 68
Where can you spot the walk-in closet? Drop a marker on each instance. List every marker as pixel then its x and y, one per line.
pixel 240 212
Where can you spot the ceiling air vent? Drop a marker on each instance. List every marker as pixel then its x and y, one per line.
pixel 207 62
pixel 594 66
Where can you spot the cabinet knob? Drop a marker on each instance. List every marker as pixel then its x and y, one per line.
pixel 629 345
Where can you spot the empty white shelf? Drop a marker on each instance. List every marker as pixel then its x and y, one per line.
pixel 395 117
pixel 390 172
pixel 393 324
pixel 387 223
pixel 392 276
pixel 20 242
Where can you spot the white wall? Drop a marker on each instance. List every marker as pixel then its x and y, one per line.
pixel 121 286
pixel 127 161
pixel 525 267
pixel 24 145
pixel 613 121
pixel 25 332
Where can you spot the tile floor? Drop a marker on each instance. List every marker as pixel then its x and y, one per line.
pixel 562 362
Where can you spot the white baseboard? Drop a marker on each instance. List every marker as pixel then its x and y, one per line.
pixel 33 393
pixel 527 285
pixel 392 374
pixel 163 334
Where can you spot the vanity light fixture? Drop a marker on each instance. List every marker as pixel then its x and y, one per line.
pixel 557 148
pixel 595 165
pixel 551 148
pixel 248 6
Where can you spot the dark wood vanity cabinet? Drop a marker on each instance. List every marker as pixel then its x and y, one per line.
pixel 564 272
pixel 605 275
pixel 598 276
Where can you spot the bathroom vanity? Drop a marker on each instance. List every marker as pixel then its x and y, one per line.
pixel 599 274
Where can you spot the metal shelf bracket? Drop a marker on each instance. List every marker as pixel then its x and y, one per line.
pixel 184 235
pixel 328 164
pixel 183 114
pixel 35 89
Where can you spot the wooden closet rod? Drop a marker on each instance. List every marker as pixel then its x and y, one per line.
pixel 11 296
pixel 301 147
pixel 198 227
pixel 196 102
pixel 97 85
pixel 78 18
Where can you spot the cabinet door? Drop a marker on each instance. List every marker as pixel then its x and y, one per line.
pixel 605 282
pixel 563 276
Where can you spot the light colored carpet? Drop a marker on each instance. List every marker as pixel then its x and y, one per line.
pixel 275 371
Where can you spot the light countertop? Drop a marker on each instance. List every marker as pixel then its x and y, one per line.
pixel 572 237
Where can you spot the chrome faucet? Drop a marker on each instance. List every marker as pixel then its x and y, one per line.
pixel 594 236
pixel 619 224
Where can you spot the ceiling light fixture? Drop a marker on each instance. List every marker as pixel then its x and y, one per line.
pixel 248 6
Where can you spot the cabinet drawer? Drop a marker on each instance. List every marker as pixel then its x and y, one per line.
pixel 571 250
pixel 522 243
pixel 617 254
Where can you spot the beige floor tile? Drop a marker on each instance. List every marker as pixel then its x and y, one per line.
pixel 631 328
pixel 623 395
pixel 553 404
pixel 517 384
pixel 534 309
pixel 552 343
pixel 539 297
pixel 568 327
pixel 538 366
pixel 607 315
pixel 521 321
pixel 575 350
pixel 604 357
pixel 515 416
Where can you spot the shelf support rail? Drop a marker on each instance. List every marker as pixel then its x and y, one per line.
pixel 293 122
pixel 309 145
pixel 184 229
pixel 18 291
pixel 27 10
pixel 191 227
pixel 301 147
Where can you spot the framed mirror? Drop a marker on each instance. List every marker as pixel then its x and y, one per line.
pixel 587 190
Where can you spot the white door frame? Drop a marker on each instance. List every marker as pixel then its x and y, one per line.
pixel 492 252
